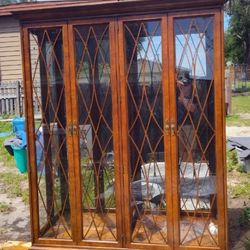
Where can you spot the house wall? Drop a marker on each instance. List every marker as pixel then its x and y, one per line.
pixel 10 50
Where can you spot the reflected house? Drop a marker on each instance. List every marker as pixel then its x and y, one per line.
pixel 147 72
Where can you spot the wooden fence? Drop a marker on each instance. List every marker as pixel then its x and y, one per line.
pixel 12 99
pixel 239 77
pixel 237 82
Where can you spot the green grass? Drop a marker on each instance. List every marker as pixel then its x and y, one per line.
pixel 232 160
pixel 240 104
pixel 5 126
pixel 13 185
pixel 4 155
pixel 6 116
pixel 242 188
pixel 238 121
pixel 240 115
pixel 4 207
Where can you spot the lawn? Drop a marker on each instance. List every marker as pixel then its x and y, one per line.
pixel 4 155
pixel 240 115
pixel 241 104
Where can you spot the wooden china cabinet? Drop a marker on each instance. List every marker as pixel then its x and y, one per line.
pixel 127 150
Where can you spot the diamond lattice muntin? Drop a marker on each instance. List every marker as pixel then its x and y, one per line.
pixel 194 54
pixel 145 133
pixel 50 124
pixel 96 132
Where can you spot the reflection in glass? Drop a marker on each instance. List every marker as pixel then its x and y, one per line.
pixel 194 55
pixel 96 132
pixel 46 49
pixel 146 145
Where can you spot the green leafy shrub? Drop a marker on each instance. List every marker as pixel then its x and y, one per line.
pixel 240 168
pixel 232 160
pixel 244 219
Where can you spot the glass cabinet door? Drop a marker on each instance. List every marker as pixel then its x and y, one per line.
pixel 50 105
pixel 96 146
pixel 144 142
pixel 194 86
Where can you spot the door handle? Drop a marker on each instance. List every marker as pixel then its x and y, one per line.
pixel 72 129
pixel 172 129
pixel 167 127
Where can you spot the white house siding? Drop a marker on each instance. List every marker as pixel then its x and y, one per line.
pixel 10 50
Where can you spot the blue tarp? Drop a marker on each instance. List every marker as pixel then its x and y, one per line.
pixel 22 136
pixel 242 143
pixel 4 134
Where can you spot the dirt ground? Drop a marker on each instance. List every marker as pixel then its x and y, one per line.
pixel 14 223
pixel 237 234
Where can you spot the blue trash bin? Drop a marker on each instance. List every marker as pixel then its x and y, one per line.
pixel 19 144
pixel 18 124
pixel 20 156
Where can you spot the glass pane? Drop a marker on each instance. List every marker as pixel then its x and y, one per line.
pixel 146 143
pixel 96 132
pixel 46 49
pixel 194 55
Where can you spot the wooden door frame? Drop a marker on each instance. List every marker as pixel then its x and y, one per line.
pixel 219 126
pixel 30 127
pixel 162 18
pixel 116 131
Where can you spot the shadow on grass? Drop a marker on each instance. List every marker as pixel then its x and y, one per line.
pixel 238 235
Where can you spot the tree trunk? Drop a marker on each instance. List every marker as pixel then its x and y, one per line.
pixel 247 54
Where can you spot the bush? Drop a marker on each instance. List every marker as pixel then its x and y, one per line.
pixel 244 219
pixel 240 168
pixel 4 207
pixel 232 160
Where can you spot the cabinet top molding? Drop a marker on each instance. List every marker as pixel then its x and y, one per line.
pixel 73 9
